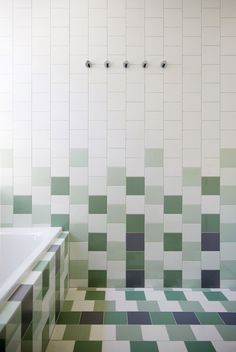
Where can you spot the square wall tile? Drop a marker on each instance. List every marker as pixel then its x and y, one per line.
pixel 172 278
pixel 60 186
pixel 173 204
pixel 97 278
pixel 22 204
pixel 210 185
pixel 97 204
pixel 97 242
pixel 135 186
pixel 172 241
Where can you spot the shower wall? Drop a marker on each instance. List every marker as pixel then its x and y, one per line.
pixel 139 164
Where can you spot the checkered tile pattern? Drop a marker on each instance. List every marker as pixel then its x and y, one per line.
pixel 102 320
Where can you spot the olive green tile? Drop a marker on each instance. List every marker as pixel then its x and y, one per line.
pixel 97 278
pixel 97 242
pixel 228 158
pixel 135 186
pixel 88 346
pixel 173 204
pixel 172 241
pixel 22 205
pixel 97 204
pixel 210 185
pixel 95 295
pixel 210 223
pixel 68 318
pixel 172 278
pixel 60 186
pixel 135 260
pixel 153 157
pixel 135 223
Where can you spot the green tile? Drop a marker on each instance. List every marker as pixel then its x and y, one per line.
pixel 78 232
pixel 153 157
pixel 215 296
pixel 22 205
pixel 41 214
pixel 60 186
pixel 116 176
pixel 175 296
pixel 79 157
pixel 162 318
pixel 172 241
pixel 135 186
pixel 192 214
pixel 154 195
pixel 41 176
pixel 71 332
pixel 88 346
pixel 173 204
pixel 147 306
pixel 134 260
pixel 230 306
pixel 211 223
pixel 210 185
pixel 191 176
pixel 227 332
pixel 6 195
pixel 209 318
pixel 99 306
pixel 95 295
pixel 172 278
pixel 154 232
pixel 196 346
pixel 228 195
pixel 97 204
pixel 60 220
pixel 191 251
pixel 79 195
pixel 228 158
pixel 141 346
pixel 180 333
pixel 129 332
pixel 191 306
pixel 67 306
pixel 135 296
pixel 78 269
pixel 97 278
pixel 69 318
pixel 84 332
pixel 115 318
pixel 135 223
pixel 97 242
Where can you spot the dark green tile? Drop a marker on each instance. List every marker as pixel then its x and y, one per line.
pixel 173 204
pixel 134 260
pixel 172 241
pixel 141 346
pixel 210 185
pixel 22 205
pixel 175 296
pixel 68 318
pixel 84 332
pixel 97 204
pixel 88 346
pixel 135 296
pixel 135 186
pixel 209 318
pixel 215 296
pixel 60 220
pixel 95 295
pixel 97 242
pixel 60 186
pixel 135 223
pixel 97 278
pixel 211 223
pixel 172 278
pixel 115 318
pixel 162 318
pixel 71 332
pixel 196 346
pixel 67 306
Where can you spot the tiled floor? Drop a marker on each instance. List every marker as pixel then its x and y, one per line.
pixel 123 320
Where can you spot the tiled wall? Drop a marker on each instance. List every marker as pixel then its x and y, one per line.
pixel 139 164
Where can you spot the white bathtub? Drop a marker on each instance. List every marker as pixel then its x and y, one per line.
pixel 20 248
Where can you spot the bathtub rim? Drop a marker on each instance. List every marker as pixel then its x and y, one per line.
pixel 14 280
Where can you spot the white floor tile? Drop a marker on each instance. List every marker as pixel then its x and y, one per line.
pixel 103 332
pixel 154 332
pixel 175 346
pixel 116 346
pixel 206 333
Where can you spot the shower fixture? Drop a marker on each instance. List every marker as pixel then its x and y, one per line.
pixel 126 64
pixel 163 64
pixel 107 64
pixel 88 64
pixel 144 64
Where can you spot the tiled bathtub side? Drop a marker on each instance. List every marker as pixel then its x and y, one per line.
pixel 28 318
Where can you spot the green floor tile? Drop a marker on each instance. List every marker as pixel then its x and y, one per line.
pixel 229 306
pixel 135 296
pixel 175 296
pixel 110 306
pixel 115 318
pixel 162 318
pixel 227 332
pixel 215 296
pixel 196 346
pixel 148 306
pixel 99 306
pixel 67 306
pixel 71 332
pixel 88 346
pixel 141 346
pixel 191 306
pixel 180 333
pixel 95 295
pixel 209 318
pixel 128 332
pixel 68 318
pixel 84 332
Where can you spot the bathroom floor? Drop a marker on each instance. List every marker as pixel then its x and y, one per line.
pixel 136 320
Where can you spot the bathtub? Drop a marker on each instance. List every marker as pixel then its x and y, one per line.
pixel 20 249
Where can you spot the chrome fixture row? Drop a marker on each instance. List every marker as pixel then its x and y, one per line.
pixel 126 64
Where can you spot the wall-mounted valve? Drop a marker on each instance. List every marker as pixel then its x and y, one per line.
pixel 88 64
pixel 163 64
pixel 145 64
pixel 126 64
pixel 107 64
